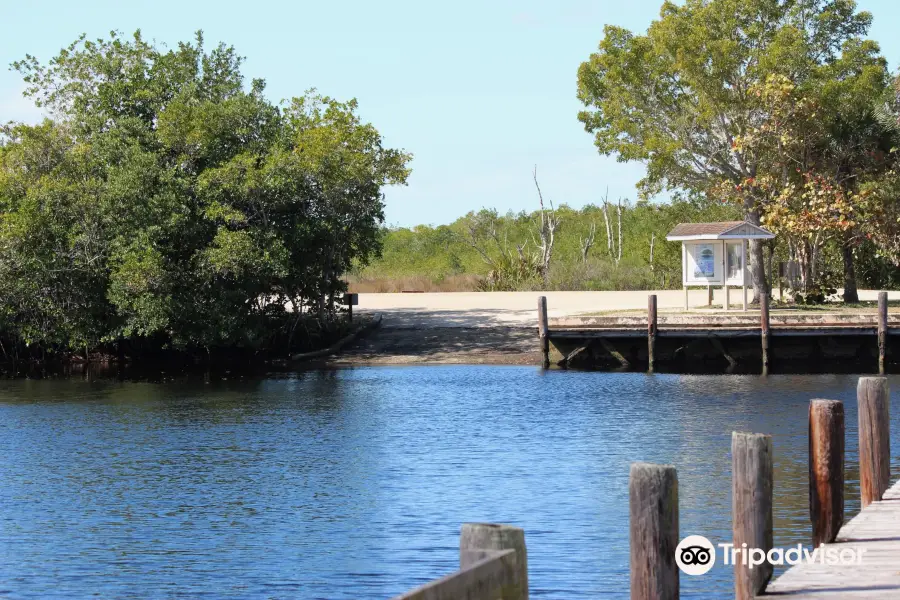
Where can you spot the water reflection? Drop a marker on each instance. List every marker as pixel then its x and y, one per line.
pixel 353 483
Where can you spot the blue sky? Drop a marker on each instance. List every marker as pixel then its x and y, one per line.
pixel 480 92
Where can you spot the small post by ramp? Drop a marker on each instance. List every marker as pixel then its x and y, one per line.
pixel 350 300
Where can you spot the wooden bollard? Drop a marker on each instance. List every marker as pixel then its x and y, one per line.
pixel 653 512
pixel 651 330
pixel 826 469
pixel 882 330
pixel 764 331
pixel 543 331
pixel 478 541
pixel 873 397
pixel 751 509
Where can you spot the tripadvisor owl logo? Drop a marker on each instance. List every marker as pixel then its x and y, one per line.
pixel 695 555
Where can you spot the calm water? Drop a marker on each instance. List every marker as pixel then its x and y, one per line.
pixel 353 483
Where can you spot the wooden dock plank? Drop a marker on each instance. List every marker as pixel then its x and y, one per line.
pixel 702 332
pixel 876 529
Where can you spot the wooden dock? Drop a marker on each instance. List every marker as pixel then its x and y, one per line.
pixel 876 530
pixel 752 340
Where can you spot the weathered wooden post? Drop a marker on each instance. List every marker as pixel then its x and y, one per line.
pixel 873 396
pixel 826 469
pixel 882 330
pixel 764 331
pixel 543 331
pixel 709 295
pixel 653 513
pixel 478 541
pixel 751 509
pixel 651 330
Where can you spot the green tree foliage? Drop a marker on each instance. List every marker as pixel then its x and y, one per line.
pixel 679 97
pixel 439 253
pixel 168 200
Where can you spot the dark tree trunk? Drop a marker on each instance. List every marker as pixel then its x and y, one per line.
pixel 757 262
pixel 850 293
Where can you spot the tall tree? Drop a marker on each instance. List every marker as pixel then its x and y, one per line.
pixel 680 96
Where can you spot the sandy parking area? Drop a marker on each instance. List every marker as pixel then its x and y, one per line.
pixel 519 309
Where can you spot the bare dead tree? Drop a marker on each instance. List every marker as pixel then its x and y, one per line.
pixel 609 238
pixel 588 242
pixel 619 256
pixel 547 232
pixel 652 242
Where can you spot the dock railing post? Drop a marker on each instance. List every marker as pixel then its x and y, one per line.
pixel 653 515
pixel 478 541
pixel 751 510
pixel 826 469
pixel 543 332
pixel 764 331
pixel 882 330
pixel 651 331
pixel 873 396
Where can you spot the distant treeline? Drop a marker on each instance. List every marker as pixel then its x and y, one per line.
pixel 480 251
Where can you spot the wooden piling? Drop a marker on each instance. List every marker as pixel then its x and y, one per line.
pixel 709 295
pixel 826 469
pixel 478 541
pixel 651 330
pixel 882 330
pixel 751 509
pixel 543 331
pixel 764 331
pixel 653 508
pixel 873 397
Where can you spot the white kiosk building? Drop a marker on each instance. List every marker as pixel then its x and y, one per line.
pixel 715 254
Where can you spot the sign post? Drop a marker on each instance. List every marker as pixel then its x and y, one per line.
pixel 350 300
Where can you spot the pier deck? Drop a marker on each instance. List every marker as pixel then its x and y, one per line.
pixel 877 530
pixel 783 340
